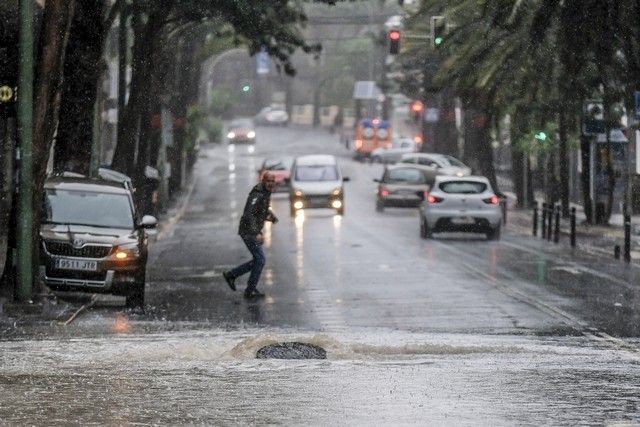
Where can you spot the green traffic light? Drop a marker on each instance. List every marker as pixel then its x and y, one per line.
pixel 246 88
pixel 438 41
pixel 541 136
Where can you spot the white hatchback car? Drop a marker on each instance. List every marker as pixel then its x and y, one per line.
pixel 316 182
pixel 466 204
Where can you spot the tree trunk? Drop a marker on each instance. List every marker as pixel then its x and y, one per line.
pixel 477 131
pixel 145 35
pixel 81 76
pixel 564 162
pixel 7 154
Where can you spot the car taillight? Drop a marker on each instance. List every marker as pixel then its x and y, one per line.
pixel 433 199
pixel 358 144
pixel 384 192
pixel 493 200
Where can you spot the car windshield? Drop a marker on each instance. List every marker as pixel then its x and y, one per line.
pixel 317 173
pixel 88 208
pixel 463 187
pixel 243 124
pixel 454 162
pixel 277 164
pixel 404 176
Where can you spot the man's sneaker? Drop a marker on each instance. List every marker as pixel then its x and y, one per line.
pixel 230 280
pixel 253 294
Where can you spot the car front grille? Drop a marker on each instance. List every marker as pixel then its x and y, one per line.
pixel 87 251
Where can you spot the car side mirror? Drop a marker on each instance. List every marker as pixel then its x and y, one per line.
pixel 346 179
pixel 148 221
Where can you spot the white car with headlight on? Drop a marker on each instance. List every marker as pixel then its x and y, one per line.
pixel 316 182
pixel 461 204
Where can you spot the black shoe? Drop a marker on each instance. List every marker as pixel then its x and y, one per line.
pixel 230 280
pixel 253 294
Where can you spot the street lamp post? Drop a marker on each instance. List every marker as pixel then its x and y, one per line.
pixel 25 132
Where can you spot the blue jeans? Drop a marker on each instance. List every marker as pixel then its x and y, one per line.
pixel 254 266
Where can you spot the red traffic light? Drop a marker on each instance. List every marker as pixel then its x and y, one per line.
pixel 417 106
pixel 394 35
pixel 394 42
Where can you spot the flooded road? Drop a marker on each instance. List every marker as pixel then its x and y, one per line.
pixel 213 378
pixel 452 331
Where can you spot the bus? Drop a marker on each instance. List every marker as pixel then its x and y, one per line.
pixel 371 134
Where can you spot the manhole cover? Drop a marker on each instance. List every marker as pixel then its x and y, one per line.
pixel 291 350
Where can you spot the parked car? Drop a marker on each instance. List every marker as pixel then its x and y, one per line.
pixel 316 182
pixel 241 130
pixel 92 239
pixel 466 204
pixel 402 186
pixel 280 167
pixel 393 154
pixel 446 165
pixel 272 116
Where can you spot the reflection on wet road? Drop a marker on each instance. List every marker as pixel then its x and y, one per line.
pixel 454 331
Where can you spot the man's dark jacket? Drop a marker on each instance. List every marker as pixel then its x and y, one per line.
pixel 256 212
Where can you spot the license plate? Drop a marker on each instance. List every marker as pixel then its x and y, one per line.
pixel 463 220
pixel 76 264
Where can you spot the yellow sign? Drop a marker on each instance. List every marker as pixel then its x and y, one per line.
pixel 6 94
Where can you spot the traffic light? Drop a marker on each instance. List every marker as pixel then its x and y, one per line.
pixel 438 30
pixel 246 88
pixel 540 136
pixel 416 110
pixel 394 42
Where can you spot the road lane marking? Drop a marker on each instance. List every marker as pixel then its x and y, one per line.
pixel 168 228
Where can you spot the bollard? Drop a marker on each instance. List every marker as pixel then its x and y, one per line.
pixel 616 251
pixel 556 230
pixel 544 221
pixel 573 227
pixel 504 210
pixel 627 238
pixel 550 208
pixel 535 219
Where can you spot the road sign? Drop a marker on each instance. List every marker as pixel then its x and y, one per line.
pixel 6 94
pixel 262 62
pixel 431 115
pixel 637 99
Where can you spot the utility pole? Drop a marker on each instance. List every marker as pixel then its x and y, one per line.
pixel 25 132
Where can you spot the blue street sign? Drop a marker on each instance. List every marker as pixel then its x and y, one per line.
pixel 637 99
pixel 262 62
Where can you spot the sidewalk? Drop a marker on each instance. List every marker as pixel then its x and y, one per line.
pixel 600 239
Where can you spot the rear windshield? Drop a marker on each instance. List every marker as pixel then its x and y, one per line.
pixel 277 164
pixel 88 208
pixel 317 173
pixel 403 176
pixel 454 162
pixel 463 187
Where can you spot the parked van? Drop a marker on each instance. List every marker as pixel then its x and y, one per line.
pixel 316 182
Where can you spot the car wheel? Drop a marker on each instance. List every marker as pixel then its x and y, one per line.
pixel 379 205
pixel 494 233
pixel 135 297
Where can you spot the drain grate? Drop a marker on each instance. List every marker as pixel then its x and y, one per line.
pixel 291 350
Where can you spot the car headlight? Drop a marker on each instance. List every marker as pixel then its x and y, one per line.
pixel 337 191
pixel 127 251
pixel 298 193
pixel 251 134
pixel 231 135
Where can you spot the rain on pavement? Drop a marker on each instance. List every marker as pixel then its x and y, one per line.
pixel 455 331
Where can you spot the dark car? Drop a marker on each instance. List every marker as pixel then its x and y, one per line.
pixel 92 239
pixel 402 186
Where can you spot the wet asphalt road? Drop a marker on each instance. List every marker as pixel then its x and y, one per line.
pixel 452 331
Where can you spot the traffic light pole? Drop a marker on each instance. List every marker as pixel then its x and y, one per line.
pixel 25 132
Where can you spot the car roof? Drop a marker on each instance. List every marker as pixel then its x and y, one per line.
pixel 473 178
pixel 421 168
pixel 427 155
pixel 316 160
pixel 84 184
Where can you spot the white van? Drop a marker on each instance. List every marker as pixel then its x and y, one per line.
pixel 316 182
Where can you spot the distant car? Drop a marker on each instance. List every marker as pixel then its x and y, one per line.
pixel 446 165
pixel 92 239
pixel 466 204
pixel 316 182
pixel 394 153
pixel 272 116
pixel 402 186
pixel 241 130
pixel 280 167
